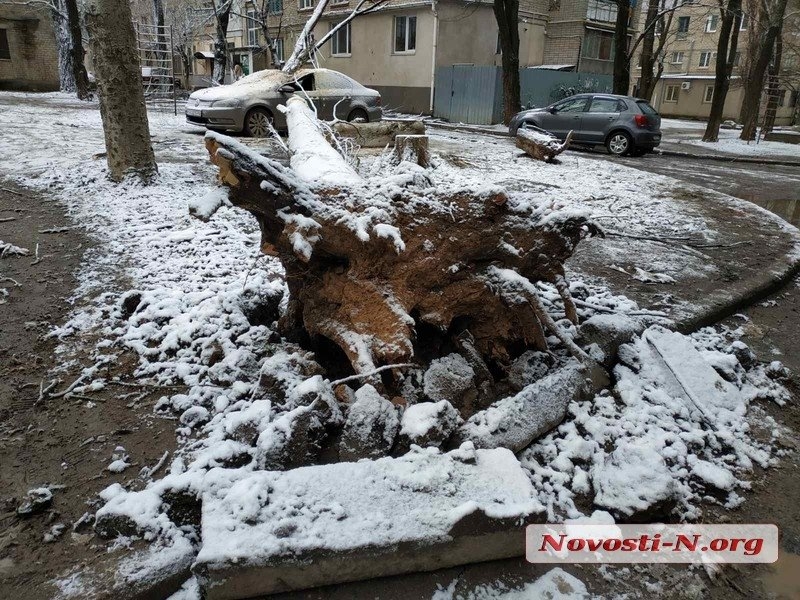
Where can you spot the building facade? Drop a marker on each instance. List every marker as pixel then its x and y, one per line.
pixel 28 51
pixel 689 59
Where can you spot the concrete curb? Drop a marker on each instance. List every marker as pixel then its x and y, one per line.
pixel 730 158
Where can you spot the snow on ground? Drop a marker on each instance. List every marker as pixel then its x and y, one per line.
pixel 686 132
pixel 187 299
pixel 556 584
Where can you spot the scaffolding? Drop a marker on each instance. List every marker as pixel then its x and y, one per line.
pixel 154 45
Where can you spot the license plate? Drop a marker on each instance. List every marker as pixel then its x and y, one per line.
pixel 192 112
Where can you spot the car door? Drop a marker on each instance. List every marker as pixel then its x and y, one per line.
pixel 336 91
pixel 564 116
pixel 310 93
pixel 602 113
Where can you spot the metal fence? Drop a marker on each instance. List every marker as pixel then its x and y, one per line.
pixel 154 45
pixel 473 94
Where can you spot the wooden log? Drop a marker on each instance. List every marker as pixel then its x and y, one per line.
pixel 540 144
pixel 379 134
pixel 367 265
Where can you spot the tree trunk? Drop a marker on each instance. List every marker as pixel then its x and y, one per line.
pixel 119 84
pixel 753 87
pixel 772 87
pixel 622 64
pixel 376 273
pixel 506 12
pixel 79 75
pixel 222 15
pixel 726 56
pixel 646 85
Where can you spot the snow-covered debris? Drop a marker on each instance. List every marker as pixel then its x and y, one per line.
pixel 609 332
pixel 531 366
pixel 428 424
pixel 35 501
pixel 450 378
pixel 9 249
pixel 634 483
pixel 55 532
pixel 204 207
pixel 714 475
pixel 646 415
pixel 514 422
pixel 370 428
pixel 361 510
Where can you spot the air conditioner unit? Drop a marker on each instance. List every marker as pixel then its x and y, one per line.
pixel 686 85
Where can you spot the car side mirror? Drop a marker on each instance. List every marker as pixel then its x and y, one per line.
pixel 552 110
pixel 286 89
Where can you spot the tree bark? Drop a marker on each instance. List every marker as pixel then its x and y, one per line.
pixel 646 84
pixel 772 86
pixel 622 64
pixel 372 273
pixel 119 84
pixel 222 15
pixel 726 56
pixel 755 83
pixel 506 13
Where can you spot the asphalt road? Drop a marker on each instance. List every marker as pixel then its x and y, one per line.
pixel 774 187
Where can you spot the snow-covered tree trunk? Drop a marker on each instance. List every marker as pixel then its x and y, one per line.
pixel 222 16
pixel 119 84
pixel 69 40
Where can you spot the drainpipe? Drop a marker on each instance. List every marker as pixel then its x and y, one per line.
pixel 435 43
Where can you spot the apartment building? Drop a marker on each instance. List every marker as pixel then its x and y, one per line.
pixel 686 87
pixel 580 34
pixel 28 51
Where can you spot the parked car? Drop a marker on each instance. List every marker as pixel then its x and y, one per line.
pixel 250 104
pixel 623 124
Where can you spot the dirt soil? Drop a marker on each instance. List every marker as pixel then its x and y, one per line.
pixel 64 444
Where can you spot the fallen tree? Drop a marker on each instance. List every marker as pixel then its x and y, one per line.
pixel 373 265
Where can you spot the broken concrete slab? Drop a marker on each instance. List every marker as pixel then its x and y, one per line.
pixel 427 424
pixel 273 531
pixel 609 332
pixel 370 428
pixel 516 421
pixel 380 134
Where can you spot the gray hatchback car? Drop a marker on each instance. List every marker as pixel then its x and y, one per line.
pixel 250 104
pixel 623 124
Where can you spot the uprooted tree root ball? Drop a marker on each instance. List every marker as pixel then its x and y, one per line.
pixel 395 269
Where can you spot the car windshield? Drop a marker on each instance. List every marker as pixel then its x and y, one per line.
pixel 646 108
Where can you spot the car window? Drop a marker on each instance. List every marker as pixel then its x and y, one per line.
pixel 646 108
pixel 572 105
pixel 606 105
pixel 331 80
pixel 306 83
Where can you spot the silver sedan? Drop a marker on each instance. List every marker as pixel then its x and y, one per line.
pixel 250 104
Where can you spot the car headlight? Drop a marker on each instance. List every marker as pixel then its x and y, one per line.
pixel 227 103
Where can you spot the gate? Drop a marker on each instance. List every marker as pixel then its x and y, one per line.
pixel 154 45
pixel 468 94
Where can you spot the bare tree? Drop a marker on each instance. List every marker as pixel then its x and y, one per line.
pixel 622 59
pixel 657 24
pixel 260 17
pixel 771 22
pixel 726 58
pixel 222 16
pixel 506 13
pixel 306 47
pixel 119 84
pixel 773 85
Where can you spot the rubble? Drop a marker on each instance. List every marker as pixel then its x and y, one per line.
pixel 427 424
pixel 370 427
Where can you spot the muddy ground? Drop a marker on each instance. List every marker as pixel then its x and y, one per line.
pixel 52 441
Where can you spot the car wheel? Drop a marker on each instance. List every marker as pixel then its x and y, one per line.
pixel 619 143
pixel 258 123
pixel 358 113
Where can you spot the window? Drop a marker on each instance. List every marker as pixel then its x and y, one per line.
pixel 705 59
pixel 5 51
pixel 306 4
pixel 683 24
pixel 340 42
pixel 745 22
pixel 677 58
pixel 279 49
pixel 708 94
pixel 606 105
pixel 602 10
pixel 711 23
pixel 671 93
pixel 405 34
pixel 598 45
pixel 573 105
pixel 275 7
pixel 252 28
